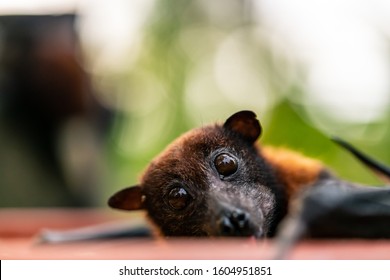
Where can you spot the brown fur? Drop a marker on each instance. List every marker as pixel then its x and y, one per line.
pixel 294 170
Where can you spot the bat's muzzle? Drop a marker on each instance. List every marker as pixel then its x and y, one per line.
pixel 235 221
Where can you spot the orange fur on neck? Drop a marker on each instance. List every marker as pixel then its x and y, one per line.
pixel 294 170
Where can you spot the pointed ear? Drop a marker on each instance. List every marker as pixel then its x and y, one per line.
pixel 245 124
pixel 130 198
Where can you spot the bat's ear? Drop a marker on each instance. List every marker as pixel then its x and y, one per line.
pixel 245 124
pixel 130 198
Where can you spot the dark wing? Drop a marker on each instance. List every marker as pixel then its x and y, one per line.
pixel 378 168
pixel 336 209
pixel 114 230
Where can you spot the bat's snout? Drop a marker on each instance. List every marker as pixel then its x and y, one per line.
pixel 232 221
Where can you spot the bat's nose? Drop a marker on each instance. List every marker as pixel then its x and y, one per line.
pixel 235 222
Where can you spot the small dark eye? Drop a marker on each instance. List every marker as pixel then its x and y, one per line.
pixel 225 164
pixel 178 198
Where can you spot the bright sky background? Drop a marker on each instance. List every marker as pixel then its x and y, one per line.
pixel 343 43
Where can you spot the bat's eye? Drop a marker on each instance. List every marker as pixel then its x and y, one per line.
pixel 225 164
pixel 178 198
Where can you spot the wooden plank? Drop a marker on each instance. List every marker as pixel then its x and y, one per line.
pixel 19 228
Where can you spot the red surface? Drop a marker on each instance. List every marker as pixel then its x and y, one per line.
pixel 19 228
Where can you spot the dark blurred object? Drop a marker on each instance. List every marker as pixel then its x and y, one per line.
pixel 335 209
pixel 113 230
pixel 381 170
pixel 51 125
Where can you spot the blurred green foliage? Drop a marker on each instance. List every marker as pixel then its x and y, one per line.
pixel 192 63
pixel 175 85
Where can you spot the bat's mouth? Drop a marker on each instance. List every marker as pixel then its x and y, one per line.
pixel 238 223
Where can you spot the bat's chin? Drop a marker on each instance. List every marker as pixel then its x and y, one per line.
pixel 252 235
pixel 259 234
pixel 224 229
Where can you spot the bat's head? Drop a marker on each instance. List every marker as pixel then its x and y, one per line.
pixel 212 181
